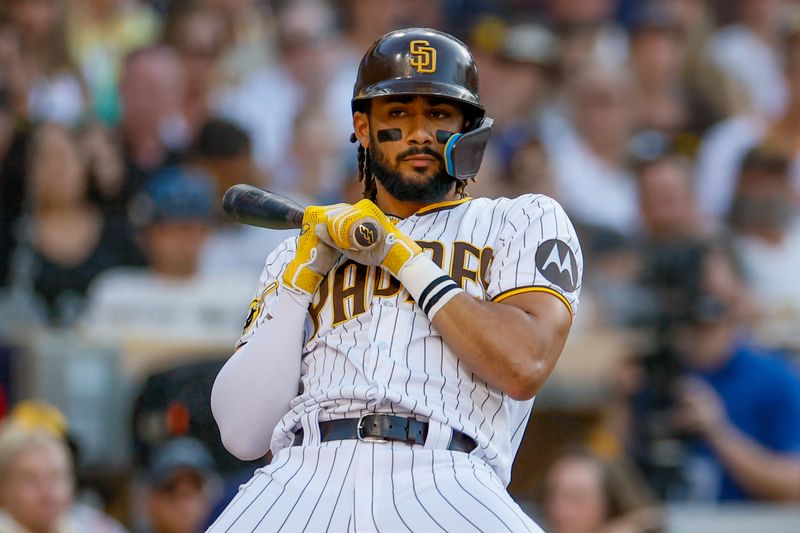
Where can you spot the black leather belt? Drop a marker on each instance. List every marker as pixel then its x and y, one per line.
pixel 380 427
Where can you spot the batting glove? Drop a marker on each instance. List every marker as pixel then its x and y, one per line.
pixel 314 258
pixel 385 245
pixel 363 233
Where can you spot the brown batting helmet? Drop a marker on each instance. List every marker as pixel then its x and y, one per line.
pixel 419 61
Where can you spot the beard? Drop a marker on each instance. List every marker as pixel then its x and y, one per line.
pixel 431 190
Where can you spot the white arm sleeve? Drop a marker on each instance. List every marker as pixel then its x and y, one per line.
pixel 253 390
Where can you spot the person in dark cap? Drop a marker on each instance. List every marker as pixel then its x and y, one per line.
pixel 170 299
pixel 173 216
pixel 179 493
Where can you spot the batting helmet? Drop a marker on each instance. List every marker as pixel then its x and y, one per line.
pixel 427 62
pixel 418 61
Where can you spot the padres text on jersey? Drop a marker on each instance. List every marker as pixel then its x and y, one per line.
pixel 370 348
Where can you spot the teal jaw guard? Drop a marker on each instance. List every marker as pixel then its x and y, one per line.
pixel 448 153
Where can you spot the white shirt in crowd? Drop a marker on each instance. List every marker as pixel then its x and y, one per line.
pixel 772 274
pixel 758 67
pixel 592 191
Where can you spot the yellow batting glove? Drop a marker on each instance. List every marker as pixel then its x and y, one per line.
pixel 314 258
pixel 347 231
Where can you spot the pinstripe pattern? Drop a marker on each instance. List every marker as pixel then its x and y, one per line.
pixel 391 488
pixel 379 353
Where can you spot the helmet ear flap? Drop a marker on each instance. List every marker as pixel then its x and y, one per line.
pixel 463 152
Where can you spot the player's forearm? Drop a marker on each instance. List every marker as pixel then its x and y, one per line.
pixel 513 347
pixel 253 390
pixel 762 473
pixel 507 347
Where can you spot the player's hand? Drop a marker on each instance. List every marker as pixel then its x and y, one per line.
pixel 313 258
pixel 394 249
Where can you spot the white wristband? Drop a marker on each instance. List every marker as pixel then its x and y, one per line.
pixel 430 287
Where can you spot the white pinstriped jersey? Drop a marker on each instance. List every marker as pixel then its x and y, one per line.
pixel 370 348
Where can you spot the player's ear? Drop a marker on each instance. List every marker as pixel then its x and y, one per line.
pixel 361 127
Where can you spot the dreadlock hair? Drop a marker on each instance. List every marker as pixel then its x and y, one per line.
pixel 461 185
pixel 365 174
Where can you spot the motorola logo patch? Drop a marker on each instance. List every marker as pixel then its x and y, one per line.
pixel 557 263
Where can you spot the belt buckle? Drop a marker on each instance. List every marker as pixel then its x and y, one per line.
pixel 360 427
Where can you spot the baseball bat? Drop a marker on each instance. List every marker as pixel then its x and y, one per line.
pixel 266 209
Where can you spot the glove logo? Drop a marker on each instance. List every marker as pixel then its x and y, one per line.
pixel 557 263
pixel 365 234
pixel 423 56
pixel 305 227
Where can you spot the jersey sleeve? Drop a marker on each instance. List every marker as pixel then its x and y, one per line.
pixel 267 290
pixel 537 250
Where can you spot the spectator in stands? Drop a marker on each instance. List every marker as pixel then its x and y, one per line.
pixel 179 487
pixel 590 160
pixel 41 79
pixel 748 51
pixel 37 481
pixel 725 145
pixel 153 129
pixel 197 32
pixel 784 131
pixel 173 217
pixel 765 220
pixel 314 161
pixel 670 222
pixel 251 46
pixel 101 34
pixel 584 493
pixel 667 202
pixel 366 20
pixel 310 66
pixel 223 150
pixel 518 87
pixel 530 170
pixel 676 105
pixel 71 240
pixel 736 404
pixel 104 163
pixel 15 138
pixel 170 301
pixel 588 34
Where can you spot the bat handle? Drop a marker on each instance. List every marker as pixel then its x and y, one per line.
pixel 366 233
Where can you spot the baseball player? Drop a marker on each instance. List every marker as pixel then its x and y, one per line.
pixel 418 358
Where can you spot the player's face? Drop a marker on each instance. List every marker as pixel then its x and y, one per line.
pixel 405 151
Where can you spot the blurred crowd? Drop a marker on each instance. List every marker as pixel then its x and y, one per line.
pixel 668 129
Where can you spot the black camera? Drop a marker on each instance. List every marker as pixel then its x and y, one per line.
pixel 672 278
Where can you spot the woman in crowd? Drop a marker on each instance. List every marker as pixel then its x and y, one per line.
pixel 586 494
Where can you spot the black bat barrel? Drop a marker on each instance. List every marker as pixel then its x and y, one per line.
pixel 258 207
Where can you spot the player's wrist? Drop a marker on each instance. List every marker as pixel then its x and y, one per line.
pixel 299 279
pixel 295 298
pixel 428 284
pixel 403 250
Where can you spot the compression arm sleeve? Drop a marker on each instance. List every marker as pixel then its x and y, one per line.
pixel 253 390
